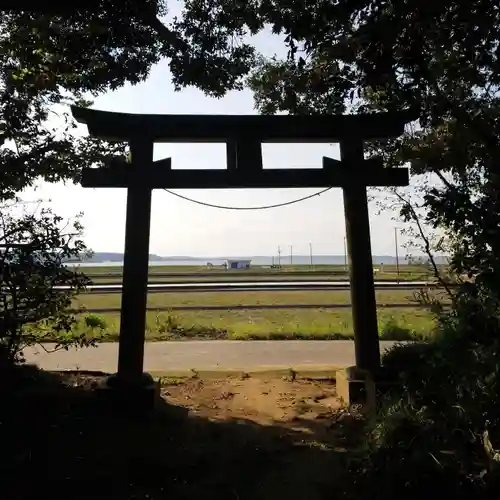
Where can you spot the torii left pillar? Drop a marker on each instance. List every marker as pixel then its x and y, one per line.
pixel 130 387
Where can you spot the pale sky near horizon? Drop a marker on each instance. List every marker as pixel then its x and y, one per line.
pixel 182 228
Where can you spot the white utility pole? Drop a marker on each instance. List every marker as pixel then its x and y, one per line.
pixel 397 252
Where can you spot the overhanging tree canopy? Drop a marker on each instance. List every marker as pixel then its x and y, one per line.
pixel 377 55
pixel 49 59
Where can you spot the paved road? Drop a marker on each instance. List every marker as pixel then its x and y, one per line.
pixel 245 286
pixel 206 355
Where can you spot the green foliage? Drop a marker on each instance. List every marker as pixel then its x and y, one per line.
pixel 168 326
pixel 440 429
pixel 36 288
pixel 95 321
pixel 392 330
pixel 210 53
pixel 49 61
pixel 166 323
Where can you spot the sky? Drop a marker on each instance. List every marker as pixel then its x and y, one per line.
pixel 182 228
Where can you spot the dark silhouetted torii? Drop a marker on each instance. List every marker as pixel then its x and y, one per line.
pixel 243 136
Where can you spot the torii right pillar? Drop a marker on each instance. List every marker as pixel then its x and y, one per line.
pixel 357 384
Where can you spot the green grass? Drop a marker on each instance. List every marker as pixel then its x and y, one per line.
pixel 95 301
pixel 394 324
pixel 314 323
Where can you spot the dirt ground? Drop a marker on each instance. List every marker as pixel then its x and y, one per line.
pixel 264 400
pixel 236 437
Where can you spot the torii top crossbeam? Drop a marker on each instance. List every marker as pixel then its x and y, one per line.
pixel 219 128
pixel 244 135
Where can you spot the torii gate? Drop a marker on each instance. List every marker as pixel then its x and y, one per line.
pixel 243 135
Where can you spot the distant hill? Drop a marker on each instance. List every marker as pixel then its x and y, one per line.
pixel 102 257
pixel 114 257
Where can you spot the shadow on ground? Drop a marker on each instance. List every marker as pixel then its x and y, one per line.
pixel 60 442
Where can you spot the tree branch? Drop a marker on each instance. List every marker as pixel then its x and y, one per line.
pixel 148 17
pixel 443 179
pixel 427 245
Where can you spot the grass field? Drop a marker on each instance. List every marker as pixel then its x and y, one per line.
pixel 94 301
pixel 312 324
pixel 113 274
pixel 237 322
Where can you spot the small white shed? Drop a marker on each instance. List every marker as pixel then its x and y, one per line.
pixel 238 264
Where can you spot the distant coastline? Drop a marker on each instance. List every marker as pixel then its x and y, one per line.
pixel 116 259
pixel 100 257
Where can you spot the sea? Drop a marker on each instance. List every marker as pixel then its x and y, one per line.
pixel 256 261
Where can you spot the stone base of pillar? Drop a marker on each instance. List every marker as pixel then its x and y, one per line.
pixel 137 397
pixel 360 387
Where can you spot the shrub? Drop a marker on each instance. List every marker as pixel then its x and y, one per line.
pixel 391 330
pixel 401 359
pixel 440 429
pixel 33 307
pixel 167 322
pixel 95 321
